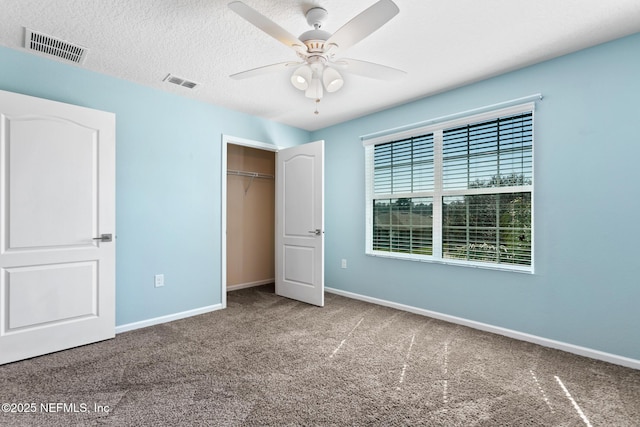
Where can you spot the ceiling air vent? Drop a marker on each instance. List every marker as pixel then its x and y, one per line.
pixel 49 45
pixel 180 81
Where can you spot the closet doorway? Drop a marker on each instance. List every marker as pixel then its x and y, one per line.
pixel 249 214
pixel 291 215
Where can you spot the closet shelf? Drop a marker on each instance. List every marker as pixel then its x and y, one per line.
pixel 251 175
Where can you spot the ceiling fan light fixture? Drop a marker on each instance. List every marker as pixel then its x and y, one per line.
pixel 332 79
pixel 301 78
pixel 314 91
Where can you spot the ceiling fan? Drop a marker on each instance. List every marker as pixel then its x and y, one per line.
pixel 317 49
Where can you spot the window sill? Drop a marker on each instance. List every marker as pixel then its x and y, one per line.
pixel 446 261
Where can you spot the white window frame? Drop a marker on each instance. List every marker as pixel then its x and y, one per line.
pixel 437 129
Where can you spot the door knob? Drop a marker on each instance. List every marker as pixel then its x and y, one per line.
pixel 317 232
pixel 104 238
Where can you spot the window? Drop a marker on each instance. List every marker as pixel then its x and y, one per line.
pixel 403 224
pixel 457 192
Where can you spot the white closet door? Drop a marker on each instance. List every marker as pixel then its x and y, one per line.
pixel 300 223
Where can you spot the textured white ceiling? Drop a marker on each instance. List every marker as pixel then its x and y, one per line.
pixel 441 44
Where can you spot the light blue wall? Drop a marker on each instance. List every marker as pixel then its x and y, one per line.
pixel 586 288
pixel 168 162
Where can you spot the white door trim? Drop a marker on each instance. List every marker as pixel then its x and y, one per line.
pixel 228 139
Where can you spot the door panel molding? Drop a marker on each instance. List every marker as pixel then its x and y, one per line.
pixel 34 295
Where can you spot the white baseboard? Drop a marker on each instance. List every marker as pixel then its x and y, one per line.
pixel 249 284
pixel 167 318
pixel 558 345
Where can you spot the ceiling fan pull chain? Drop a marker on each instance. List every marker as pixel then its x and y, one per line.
pixel 317 102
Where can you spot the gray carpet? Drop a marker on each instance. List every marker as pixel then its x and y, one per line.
pixel 267 360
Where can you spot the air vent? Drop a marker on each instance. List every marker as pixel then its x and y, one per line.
pixel 180 81
pixel 49 45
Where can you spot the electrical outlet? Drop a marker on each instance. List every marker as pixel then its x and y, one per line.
pixel 344 263
pixel 159 280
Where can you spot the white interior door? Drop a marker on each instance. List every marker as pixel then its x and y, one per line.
pixel 300 223
pixel 57 195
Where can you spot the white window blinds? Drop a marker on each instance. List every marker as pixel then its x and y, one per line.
pixel 404 166
pixel 494 153
pixel 458 192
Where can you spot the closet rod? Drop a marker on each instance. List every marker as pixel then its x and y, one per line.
pixel 249 174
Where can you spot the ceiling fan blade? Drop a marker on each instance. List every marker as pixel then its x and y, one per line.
pixel 369 69
pixel 265 70
pixel 266 25
pixel 362 25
